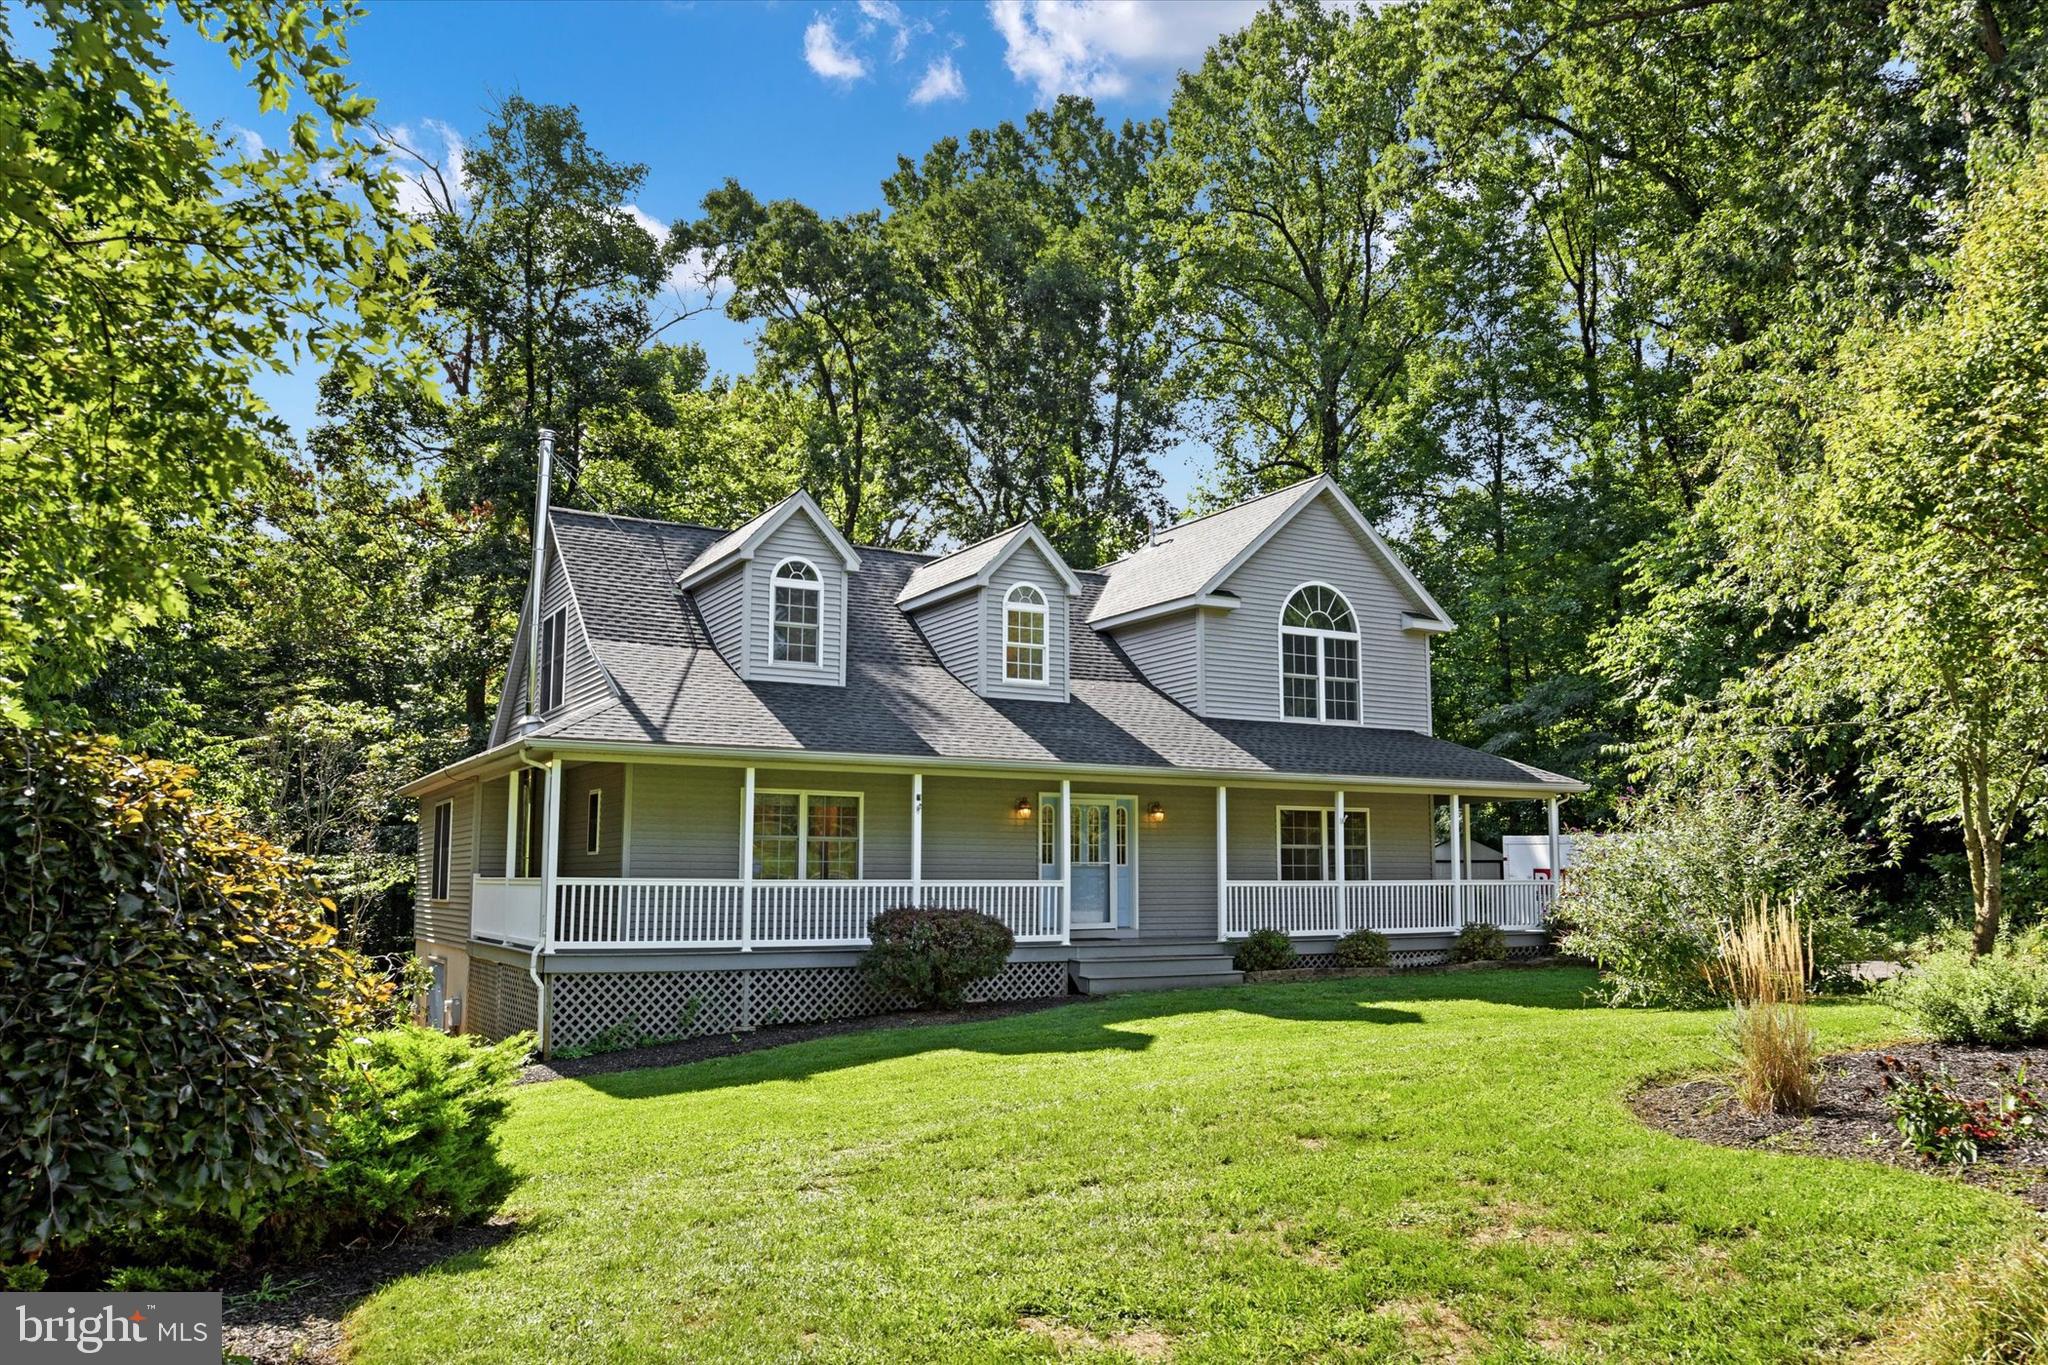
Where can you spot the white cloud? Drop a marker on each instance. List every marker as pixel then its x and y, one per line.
pixel 903 30
pixel 690 276
pixel 1104 47
pixel 427 173
pixel 941 82
pixel 826 55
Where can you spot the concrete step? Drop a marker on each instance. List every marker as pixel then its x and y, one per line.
pixel 1159 966
pixel 1124 952
pixel 1112 985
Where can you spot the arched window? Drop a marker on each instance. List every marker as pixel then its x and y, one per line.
pixel 796 613
pixel 1024 635
pixel 1318 656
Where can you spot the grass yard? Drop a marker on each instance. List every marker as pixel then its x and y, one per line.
pixel 1415 1167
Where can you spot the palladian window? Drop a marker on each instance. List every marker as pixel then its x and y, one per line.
pixel 797 612
pixel 1024 635
pixel 1318 656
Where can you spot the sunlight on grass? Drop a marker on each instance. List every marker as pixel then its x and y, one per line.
pixel 1421 1167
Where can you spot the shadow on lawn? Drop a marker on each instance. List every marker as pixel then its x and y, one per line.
pixel 1102 1025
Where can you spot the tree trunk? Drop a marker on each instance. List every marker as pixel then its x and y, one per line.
pixel 1986 853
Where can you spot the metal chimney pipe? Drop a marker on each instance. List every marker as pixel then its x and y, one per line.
pixel 531 719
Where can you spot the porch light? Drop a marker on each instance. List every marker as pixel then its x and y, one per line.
pixel 1023 810
pixel 1156 813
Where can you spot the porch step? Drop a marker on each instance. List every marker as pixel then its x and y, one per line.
pixel 1152 967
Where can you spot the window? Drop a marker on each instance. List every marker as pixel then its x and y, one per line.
pixel 1048 833
pixel 806 836
pixel 1024 635
pixel 1308 846
pixel 1318 656
pixel 797 596
pixel 554 658
pixel 444 851
pixel 593 811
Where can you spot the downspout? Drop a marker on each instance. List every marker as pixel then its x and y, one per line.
pixel 547 933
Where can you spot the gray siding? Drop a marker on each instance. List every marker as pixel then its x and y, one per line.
pixel 1242 658
pixel 796 538
pixel 971 829
pixel 1168 652
pixel 578 781
pixel 953 629
pixel 1177 865
pixel 1401 841
pixel 1025 565
pixel 490 828
pixel 686 819
pixel 722 603
pixel 446 921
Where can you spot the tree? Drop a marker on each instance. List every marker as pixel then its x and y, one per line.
pixel 150 271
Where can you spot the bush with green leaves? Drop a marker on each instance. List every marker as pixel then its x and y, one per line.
pixel 1363 948
pixel 933 956
pixel 173 994
pixel 1999 999
pixel 1264 950
pixel 1646 901
pixel 1480 943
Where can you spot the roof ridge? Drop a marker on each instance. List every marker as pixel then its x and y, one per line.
pixel 1239 505
pixel 728 530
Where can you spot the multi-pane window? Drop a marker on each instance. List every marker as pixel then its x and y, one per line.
pixel 444 848
pixel 1308 850
pixel 554 650
pixel 796 613
pixel 1318 656
pixel 806 836
pixel 1048 833
pixel 1024 619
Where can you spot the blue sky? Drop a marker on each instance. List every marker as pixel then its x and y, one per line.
pixel 801 100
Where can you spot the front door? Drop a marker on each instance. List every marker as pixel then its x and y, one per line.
pixel 1101 845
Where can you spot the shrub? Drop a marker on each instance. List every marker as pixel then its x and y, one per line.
pixel 1999 999
pixel 1480 943
pixel 1946 1129
pixel 1762 966
pixel 1363 948
pixel 1263 950
pixel 1646 901
pixel 412 1138
pixel 932 956
pixel 172 995
pixel 157 1279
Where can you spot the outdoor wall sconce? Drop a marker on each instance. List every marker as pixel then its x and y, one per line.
pixel 1023 811
pixel 1156 813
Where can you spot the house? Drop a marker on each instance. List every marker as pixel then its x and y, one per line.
pixel 721 753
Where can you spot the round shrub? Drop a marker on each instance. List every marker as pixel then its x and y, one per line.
pixel 1363 948
pixel 173 992
pixel 1480 943
pixel 1264 950
pixel 1997 1000
pixel 932 956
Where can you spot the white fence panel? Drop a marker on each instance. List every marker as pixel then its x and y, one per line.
pixel 505 909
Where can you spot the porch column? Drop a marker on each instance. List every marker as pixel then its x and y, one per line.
pixel 1457 867
pixel 1222 864
pixel 512 822
pixel 917 838
pixel 747 862
pixel 1066 861
pixel 1556 853
pixel 1343 903
pixel 550 849
pixel 626 819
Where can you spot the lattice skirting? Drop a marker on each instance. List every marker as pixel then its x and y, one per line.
pixel 501 1001
pixel 684 1004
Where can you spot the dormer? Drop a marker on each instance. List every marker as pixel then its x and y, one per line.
pixel 773 595
pixel 997 614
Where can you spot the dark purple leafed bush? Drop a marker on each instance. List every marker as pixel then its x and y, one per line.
pixel 932 956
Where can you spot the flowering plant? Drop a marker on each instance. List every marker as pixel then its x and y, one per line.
pixel 1943 1126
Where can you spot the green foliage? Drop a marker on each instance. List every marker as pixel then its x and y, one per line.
pixel 1646 901
pixel 23 1279
pixel 1945 1128
pixel 158 1279
pixel 1998 999
pixel 174 990
pixel 1480 943
pixel 1990 1313
pixel 1363 948
pixel 932 956
pixel 1263 950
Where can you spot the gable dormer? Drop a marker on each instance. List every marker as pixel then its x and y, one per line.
pixel 997 614
pixel 773 595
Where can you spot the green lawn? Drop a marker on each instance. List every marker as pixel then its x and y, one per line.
pixel 1433 1167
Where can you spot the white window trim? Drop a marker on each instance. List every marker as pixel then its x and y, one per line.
pixel 1134 848
pixel 593 813
pixel 803 830
pixel 816 588
pixel 1329 814
pixel 1044 615
pixel 440 859
pixel 1322 659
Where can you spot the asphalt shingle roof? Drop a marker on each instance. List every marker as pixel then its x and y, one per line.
pixel 1181 559
pixel 959 566
pixel 899 700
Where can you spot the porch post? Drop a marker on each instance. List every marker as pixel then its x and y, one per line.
pixel 747 862
pixel 1343 902
pixel 1222 863
pixel 550 847
pixel 512 822
pixel 1556 853
pixel 626 819
pixel 917 838
pixel 1457 866
pixel 1067 861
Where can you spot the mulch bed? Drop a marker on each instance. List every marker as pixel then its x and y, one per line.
pixel 731 1044
pixel 294 1315
pixel 1853 1121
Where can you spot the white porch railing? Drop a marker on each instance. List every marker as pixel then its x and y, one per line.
pixel 505 909
pixel 643 913
pixel 1328 910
